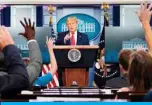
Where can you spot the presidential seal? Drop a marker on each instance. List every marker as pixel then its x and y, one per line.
pixel 74 55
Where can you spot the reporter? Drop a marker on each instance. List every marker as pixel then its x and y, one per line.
pixel 17 77
pixel 44 80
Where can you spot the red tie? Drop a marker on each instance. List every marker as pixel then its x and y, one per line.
pixel 72 39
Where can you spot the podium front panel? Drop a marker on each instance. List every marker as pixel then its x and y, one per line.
pixel 88 56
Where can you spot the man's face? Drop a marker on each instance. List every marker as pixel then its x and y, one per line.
pixel 72 25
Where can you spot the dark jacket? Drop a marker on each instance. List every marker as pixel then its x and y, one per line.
pixel 118 82
pixel 82 39
pixel 17 78
pixel 148 97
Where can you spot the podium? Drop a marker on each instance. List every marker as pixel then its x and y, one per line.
pixel 75 72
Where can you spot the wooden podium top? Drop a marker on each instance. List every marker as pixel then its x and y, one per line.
pixel 76 47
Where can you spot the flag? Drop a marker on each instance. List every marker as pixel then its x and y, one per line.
pixel 54 82
pixel 102 38
pixel 53 36
pixel 46 67
pixel 99 72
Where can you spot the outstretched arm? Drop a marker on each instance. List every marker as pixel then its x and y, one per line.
pixel 53 62
pixel 44 80
pixel 144 16
pixel 34 67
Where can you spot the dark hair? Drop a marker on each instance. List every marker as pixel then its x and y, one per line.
pixel 140 71
pixel 124 57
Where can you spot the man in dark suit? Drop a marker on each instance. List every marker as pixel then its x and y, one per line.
pixel 71 37
pixel 17 77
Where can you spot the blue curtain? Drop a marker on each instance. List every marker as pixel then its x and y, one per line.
pixel 6 17
pixel 39 16
pixel 116 15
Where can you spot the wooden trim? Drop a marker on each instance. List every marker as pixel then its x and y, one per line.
pixel 80 75
pixel 76 47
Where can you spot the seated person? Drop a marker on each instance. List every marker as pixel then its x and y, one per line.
pixel 139 72
pixel 35 64
pixel 141 62
pixel 145 16
pixel 104 72
pixel 122 81
pixel 17 78
pixel 44 80
pixel 34 67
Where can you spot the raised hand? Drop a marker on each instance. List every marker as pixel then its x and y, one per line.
pixel 145 13
pixel 139 47
pixel 49 43
pixel 5 38
pixel 29 29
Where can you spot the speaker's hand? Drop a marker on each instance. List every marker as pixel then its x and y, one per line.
pixel 67 37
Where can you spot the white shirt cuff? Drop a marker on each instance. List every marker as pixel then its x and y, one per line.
pixel 31 41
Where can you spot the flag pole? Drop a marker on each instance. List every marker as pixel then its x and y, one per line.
pixel 52 9
pixel 105 7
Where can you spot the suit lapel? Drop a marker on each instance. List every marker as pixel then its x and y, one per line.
pixel 78 38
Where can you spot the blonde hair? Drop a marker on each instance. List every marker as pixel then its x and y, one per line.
pixel 71 18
